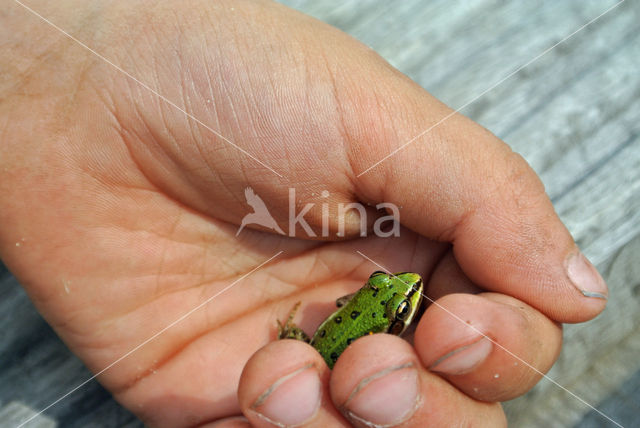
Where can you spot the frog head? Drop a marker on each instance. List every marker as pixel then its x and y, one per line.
pixel 403 306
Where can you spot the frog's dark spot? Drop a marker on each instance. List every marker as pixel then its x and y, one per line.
pixel 355 314
pixel 337 320
pixel 323 333
pixel 373 315
pixel 384 315
pixel 334 356
pixel 383 302
pixel 375 292
pixel 350 340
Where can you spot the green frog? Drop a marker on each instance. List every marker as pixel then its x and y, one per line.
pixel 387 303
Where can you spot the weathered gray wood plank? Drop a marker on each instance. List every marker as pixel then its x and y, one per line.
pixel 612 405
pixel 14 413
pixel 36 368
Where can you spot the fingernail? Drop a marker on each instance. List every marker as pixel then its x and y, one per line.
pixel 386 398
pixel 463 359
pixel 291 400
pixel 585 277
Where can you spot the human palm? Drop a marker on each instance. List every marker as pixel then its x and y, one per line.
pixel 126 194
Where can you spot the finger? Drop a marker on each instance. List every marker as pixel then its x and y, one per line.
pixel 447 277
pixel 490 346
pixel 379 381
pixel 234 422
pixel 286 384
pixel 461 184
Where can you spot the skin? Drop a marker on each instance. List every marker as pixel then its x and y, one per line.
pixel 118 214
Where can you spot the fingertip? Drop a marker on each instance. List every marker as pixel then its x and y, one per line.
pixel 379 381
pixel 282 383
pixel 490 346
pixel 527 252
pixel 285 383
pixel 376 381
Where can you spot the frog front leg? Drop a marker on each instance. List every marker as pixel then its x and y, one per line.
pixel 291 331
pixel 340 302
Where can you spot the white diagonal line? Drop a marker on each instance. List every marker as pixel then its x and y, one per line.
pixel 497 344
pixel 180 319
pixel 144 85
pixel 490 88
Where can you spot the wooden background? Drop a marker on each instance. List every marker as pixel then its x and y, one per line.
pixel 574 114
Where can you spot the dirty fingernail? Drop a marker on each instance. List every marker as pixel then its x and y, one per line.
pixel 463 359
pixel 585 277
pixel 388 397
pixel 292 399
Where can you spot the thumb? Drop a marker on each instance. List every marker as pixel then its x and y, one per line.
pixel 459 183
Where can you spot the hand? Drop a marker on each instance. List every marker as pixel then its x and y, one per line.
pixel 119 215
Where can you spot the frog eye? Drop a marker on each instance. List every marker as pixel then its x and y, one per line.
pixel 403 310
